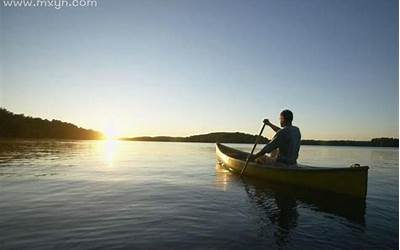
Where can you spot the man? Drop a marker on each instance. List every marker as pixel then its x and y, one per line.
pixel 286 140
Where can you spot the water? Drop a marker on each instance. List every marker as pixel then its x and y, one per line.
pixel 147 195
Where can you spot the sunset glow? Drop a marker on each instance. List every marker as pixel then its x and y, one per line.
pixel 110 134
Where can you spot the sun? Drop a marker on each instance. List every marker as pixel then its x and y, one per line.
pixel 110 134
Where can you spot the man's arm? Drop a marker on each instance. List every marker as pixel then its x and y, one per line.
pixel 273 144
pixel 274 127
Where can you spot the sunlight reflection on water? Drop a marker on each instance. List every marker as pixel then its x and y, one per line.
pixel 110 148
pixel 222 177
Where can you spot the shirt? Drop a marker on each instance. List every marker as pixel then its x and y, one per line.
pixel 287 140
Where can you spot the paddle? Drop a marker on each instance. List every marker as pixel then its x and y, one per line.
pixel 252 151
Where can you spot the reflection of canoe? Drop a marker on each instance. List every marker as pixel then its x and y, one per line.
pixel 351 208
pixel 350 181
pixel 278 207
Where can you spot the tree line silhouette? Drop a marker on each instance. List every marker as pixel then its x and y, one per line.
pixel 21 126
pixel 226 137
pixel 237 137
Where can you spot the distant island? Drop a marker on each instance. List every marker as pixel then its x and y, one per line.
pixel 226 137
pixel 237 137
pixel 21 126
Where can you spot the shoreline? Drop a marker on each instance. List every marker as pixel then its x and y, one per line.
pixel 320 143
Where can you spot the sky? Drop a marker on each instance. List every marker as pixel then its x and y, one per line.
pixel 188 67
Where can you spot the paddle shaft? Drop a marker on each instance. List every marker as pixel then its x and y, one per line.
pixel 252 151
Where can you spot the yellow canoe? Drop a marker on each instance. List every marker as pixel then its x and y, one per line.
pixel 350 181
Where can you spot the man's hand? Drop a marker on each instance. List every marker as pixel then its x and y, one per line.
pixel 274 127
pixel 267 122
pixel 252 157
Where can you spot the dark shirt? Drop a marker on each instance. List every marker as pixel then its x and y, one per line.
pixel 287 140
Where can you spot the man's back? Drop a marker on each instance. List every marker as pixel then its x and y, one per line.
pixel 289 144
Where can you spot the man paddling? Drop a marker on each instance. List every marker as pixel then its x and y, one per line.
pixel 286 140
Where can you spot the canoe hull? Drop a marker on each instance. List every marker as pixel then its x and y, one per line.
pixel 349 181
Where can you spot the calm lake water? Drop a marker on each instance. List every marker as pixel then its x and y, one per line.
pixel 147 195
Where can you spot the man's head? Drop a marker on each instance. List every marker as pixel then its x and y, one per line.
pixel 286 118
